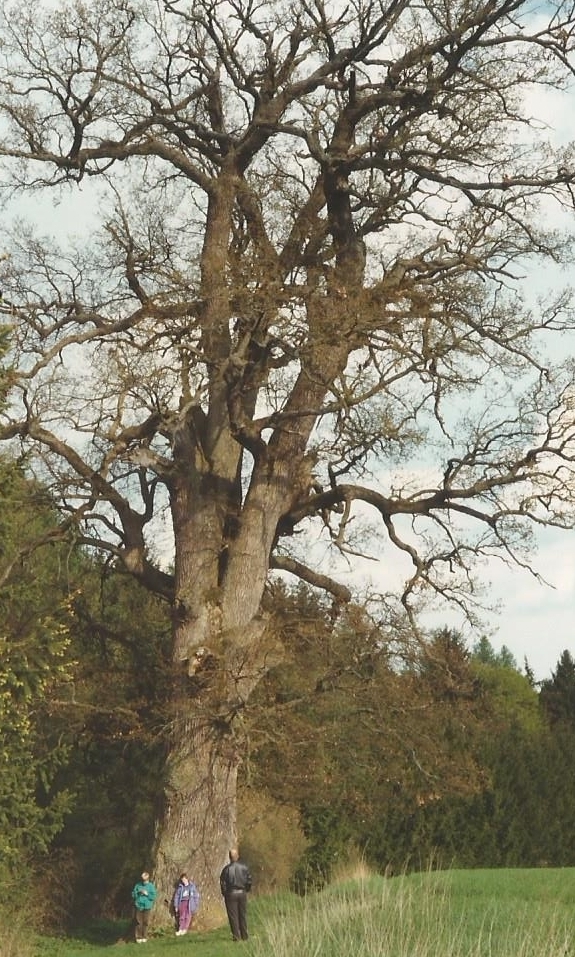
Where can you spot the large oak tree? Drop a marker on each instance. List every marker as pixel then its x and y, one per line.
pixel 303 303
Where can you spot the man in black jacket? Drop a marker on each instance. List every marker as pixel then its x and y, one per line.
pixel 235 882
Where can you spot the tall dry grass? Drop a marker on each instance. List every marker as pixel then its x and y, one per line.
pixel 373 917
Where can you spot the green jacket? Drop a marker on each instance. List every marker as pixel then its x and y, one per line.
pixel 144 895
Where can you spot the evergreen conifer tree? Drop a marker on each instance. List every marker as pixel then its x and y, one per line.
pixel 557 695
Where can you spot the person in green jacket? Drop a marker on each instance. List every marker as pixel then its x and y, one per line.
pixel 143 895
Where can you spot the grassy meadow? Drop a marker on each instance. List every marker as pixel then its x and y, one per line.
pixel 479 913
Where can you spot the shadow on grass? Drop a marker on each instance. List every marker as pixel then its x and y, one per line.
pixel 103 933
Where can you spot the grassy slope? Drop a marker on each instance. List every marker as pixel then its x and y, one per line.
pixel 481 913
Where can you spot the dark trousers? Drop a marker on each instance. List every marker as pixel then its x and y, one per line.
pixel 236 909
pixel 142 920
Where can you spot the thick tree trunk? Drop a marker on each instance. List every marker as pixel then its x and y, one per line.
pixel 222 646
pixel 216 669
pixel 197 824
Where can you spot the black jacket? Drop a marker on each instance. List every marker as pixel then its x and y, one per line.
pixel 235 877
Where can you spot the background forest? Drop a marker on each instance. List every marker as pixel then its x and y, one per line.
pixel 363 743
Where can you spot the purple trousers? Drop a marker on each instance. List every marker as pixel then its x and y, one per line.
pixel 184 915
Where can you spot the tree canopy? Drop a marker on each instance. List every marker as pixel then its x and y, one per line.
pixel 314 225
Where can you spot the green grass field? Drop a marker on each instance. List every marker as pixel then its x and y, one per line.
pixel 481 913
